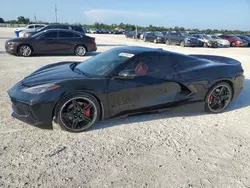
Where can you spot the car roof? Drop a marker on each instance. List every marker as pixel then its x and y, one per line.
pixel 140 49
pixel 55 29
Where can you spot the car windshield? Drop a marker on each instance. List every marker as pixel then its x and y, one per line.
pixel 206 37
pixel 104 63
pixel 215 37
pixel 186 35
pixel 159 34
pixel 41 28
pixel 38 34
pixel 234 37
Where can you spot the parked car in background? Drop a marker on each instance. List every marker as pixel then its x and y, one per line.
pixel 92 31
pixel 244 37
pixel 234 41
pixel 156 37
pixel 29 28
pixel 182 39
pixel 207 41
pixel 221 42
pixel 132 34
pixel 143 34
pixel 52 41
pixel 56 26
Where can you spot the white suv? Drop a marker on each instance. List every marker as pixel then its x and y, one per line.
pixel 30 27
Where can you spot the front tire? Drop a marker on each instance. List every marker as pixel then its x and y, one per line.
pixel 78 112
pixel 233 44
pixel 218 98
pixel 80 50
pixel 182 44
pixel 25 51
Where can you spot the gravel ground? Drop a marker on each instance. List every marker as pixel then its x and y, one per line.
pixel 181 148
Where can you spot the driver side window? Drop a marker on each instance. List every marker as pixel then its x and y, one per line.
pixel 143 65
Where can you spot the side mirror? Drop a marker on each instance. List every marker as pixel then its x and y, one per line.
pixel 129 74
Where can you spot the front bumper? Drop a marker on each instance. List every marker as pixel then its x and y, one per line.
pixel 31 108
pixel 159 40
pixel 238 86
pixel 11 49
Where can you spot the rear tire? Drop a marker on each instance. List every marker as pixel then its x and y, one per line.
pixel 80 50
pixel 71 115
pixel 218 98
pixel 167 42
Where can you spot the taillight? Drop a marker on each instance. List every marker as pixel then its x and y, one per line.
pixel 93 39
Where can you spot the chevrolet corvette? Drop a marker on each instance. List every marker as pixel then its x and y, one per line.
pixel 124 81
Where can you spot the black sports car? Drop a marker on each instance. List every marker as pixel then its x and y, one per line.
pixel 122 81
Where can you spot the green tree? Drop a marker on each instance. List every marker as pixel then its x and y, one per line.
pixel 1 20
pixel 23 20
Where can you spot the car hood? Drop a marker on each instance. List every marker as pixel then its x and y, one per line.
pixel 222 41
pixel 51 73
pixel 18 39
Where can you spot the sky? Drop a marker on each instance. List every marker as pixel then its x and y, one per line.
pixel 201 14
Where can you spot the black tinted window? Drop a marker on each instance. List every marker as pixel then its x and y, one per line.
pixel 64 34
pixel 50 35
pixel 75 28
pixel 31 26
pixel 63 27
pixel 150 64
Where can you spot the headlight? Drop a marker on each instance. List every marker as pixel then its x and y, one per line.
pixel 9 43
pixel 41 88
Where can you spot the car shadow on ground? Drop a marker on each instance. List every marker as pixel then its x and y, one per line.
pixel 195 109
pixel 111 45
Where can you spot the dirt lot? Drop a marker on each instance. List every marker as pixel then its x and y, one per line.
pixel 182 148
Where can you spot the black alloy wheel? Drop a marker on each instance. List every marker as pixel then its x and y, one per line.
pixel 218 97
pixel 78 112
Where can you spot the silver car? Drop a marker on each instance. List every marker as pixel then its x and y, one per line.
pixel 221 42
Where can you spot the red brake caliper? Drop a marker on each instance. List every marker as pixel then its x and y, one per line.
pixel 87 113
pixel 211 98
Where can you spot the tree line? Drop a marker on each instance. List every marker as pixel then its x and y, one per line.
pixel 97 25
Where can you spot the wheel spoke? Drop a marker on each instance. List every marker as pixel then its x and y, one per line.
pixel 68 115
pixel 213 104
pixel 220 105
pixel 75 123
pixel 225 97
pixel 87 119
pixel 75 104
pixel 221 90
pixel 87 107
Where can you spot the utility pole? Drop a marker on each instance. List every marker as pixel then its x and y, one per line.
pixel 35 17
pixel 56 13
pixel 136 32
